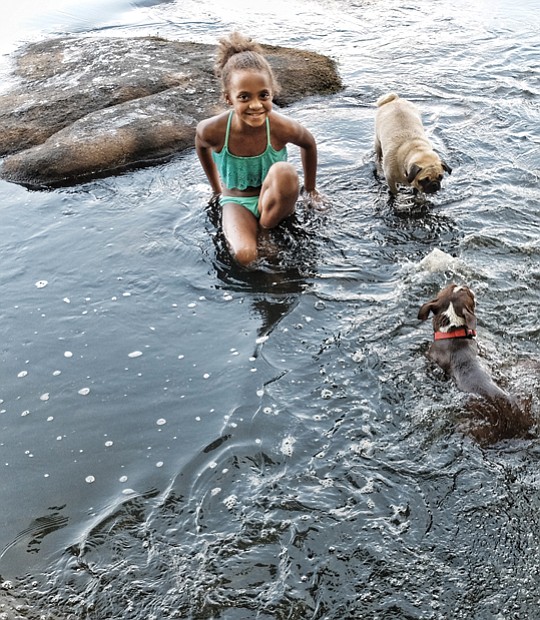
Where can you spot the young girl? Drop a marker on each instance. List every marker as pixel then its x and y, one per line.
pixel 243 151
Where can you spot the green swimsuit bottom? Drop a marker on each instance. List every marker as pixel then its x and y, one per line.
pixel 251 203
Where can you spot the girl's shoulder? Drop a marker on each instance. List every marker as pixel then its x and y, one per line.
pixel 281 122
pixel 212 130
pixel 285 129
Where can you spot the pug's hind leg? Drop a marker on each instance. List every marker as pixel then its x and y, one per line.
pixel 378 150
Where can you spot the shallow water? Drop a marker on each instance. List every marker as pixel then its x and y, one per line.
pixel 181 439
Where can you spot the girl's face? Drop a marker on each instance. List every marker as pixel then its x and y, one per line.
pixel 250 94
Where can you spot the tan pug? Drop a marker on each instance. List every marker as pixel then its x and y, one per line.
pixel 403 149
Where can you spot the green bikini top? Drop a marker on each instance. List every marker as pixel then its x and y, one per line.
pixel 238 172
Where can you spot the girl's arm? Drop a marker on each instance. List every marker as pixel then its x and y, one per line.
pixel 305 140
pixel 204 152
pixel 299 135
pixel 309 162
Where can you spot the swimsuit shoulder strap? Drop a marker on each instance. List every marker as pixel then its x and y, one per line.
pixel 228 130
pixel 268 142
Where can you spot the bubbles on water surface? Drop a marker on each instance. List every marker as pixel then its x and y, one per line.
pixel 287 445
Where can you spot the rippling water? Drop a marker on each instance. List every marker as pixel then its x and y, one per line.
pixel 181 439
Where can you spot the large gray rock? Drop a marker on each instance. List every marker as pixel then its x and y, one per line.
pixel 86 107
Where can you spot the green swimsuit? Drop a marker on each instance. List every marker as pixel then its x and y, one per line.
pixel 240 173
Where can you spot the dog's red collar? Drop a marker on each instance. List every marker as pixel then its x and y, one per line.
pixel 462 332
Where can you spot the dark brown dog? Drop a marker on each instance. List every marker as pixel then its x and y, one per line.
pixel 455 350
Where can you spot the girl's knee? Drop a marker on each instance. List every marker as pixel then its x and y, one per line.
pixel 285 175
pixel 281 184
pixel 278 195
pixel 245 255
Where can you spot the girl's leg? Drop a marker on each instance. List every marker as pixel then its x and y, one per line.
pixel 240 229
pixel 279 193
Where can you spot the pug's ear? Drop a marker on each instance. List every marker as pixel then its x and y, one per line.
pixel 413 172
pixel 446 167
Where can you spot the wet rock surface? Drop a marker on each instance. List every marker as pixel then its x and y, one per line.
pixel 86 107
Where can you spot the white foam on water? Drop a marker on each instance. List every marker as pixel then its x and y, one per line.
pixel 287 445
pixel 437 261
pixel 230 501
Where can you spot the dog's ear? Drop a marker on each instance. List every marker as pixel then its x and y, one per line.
pixel 464 305
pixel 429 306
pixel 470 318
pixel 413 172
pixel 446 167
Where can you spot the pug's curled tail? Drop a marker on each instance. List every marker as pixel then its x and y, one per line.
pixel 386 99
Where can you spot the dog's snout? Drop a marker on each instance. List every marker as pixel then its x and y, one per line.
pixel 432 187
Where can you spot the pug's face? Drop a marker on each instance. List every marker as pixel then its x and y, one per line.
pixel 428 179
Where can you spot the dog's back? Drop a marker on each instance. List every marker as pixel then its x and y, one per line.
pixel 397 121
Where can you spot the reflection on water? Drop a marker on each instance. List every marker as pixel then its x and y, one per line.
pixel 288 260
pixel 182 438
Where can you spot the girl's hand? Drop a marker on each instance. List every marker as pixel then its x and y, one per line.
pixel 314 200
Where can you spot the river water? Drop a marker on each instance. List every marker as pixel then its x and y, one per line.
pixel 183 439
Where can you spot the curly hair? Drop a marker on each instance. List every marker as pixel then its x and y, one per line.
pixel 240 53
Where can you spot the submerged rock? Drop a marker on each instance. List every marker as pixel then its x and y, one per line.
pixel 86 107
